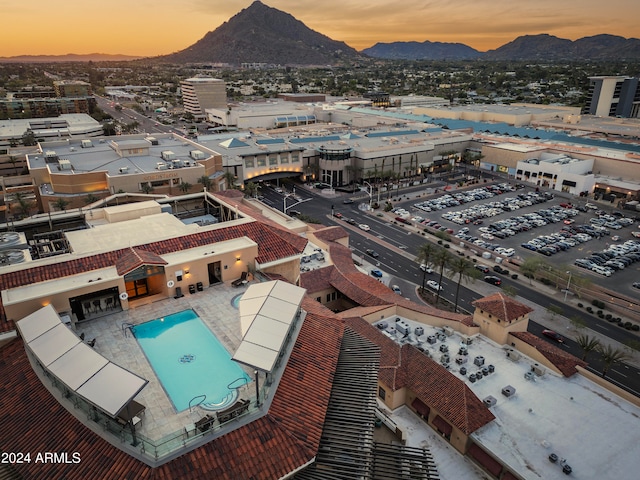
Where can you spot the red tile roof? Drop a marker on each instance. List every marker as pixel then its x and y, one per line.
pixel 273 244
pixel 502 306
pixel 331 234
pixel 286 438
pixel 563 361
pixel 133 258
pixel 406 366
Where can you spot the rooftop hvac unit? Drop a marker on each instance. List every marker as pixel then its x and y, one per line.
pixel 537 369
pixel 50 154
pixel 513 354
pixel 64 164
pixel 86 143
pixel 167 155
pixel 444 348
pixel 431 339
pixel 177 163
pixel 197 154
pixel 508 391
pixel 153 140
pixel 402 327
pixel 467 340
pixel 444 358
pixel 448 331
pixel 161 166
pixel 490 401
pixel 419 331
pixel 123 169
pixel 382 325
pixel 479 360
pixel 530 376
pixel 461 360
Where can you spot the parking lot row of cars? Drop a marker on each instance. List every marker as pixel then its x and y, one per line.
pixel 453 200
pixel 612 259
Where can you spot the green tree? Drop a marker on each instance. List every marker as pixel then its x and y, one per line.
pixel 146 188
pixel 251 189
pixel 61 204
pixel 205 181
pixel 426 252
pixel 611 356
pixel 554 310
pixel 465 271
pixel 577 322
pixel 29 139
pixel 91 198
pixel 185 187
pixel 230 180
pixel 14 160
pixel 24 204
pixel 441 259
pixel 587 344
pixel 530 267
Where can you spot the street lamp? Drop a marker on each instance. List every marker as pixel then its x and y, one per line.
pixel 567 289
pixel 369 192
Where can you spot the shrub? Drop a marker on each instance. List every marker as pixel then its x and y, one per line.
pixel 589 309
pixel 612 319
pixel 580 305
pixel 446 245
pixel 439 242
pixel 618 319
pixel 608 316
pixel 594 302
pixel 599 312
pixel 635 328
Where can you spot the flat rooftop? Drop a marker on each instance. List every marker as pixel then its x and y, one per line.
pixel 101 156
pixel 596 431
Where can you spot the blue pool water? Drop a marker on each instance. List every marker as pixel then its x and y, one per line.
pixel 189 360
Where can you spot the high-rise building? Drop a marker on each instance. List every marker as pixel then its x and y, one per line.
pixel 613 96
pixel 200 93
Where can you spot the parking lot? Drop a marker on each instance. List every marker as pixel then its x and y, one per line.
pixel 517 223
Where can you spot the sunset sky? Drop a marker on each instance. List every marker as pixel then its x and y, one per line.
pixel 157 27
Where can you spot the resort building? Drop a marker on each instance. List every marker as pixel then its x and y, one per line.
pixel 315 361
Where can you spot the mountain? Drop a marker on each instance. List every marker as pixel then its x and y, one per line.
pixel 70 57
pixel 546 47
pixel 422 51
pixel 263 34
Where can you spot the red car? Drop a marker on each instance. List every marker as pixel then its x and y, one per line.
pixel 553 335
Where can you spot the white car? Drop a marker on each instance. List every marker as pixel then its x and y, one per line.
pixel 601 270
pixel 396 289
pixel 433 285
pixel 426 268
pixel 364 226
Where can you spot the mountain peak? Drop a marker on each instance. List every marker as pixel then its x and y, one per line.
pixel 264 34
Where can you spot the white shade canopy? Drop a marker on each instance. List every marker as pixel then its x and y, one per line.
pixel 267 312
pixel 59 350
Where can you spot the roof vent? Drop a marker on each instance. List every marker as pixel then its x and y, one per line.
pixel 508 391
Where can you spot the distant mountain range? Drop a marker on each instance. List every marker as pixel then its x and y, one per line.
pixel 70 57
pixel 262 34
pixel 528 47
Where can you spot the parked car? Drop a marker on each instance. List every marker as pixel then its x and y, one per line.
pixel 553 335
pixel 636 284
pixel 376 273
pixel 347 201
pixel 434 285
pixel 492 280
pixel 372 253
pixel 396 289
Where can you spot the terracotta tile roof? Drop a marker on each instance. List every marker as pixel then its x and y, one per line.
pixel 133 258
pixel 273 244
pixel 361 311
pixel 331 234
pixel 270 447
pixel 563 361
pixel 502 306
pixel 316 280
pixel 406 366
pixel 367 291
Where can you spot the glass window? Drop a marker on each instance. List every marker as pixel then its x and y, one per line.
pixel 262 161
pixel 295 157
pixel 273 160
pixel 284 158
pixel 249 162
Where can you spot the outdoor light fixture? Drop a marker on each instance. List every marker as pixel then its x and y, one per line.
pixel 237 258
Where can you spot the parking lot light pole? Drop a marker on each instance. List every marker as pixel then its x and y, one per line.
pixel 567 289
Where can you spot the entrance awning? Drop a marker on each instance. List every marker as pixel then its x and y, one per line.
pixel 442 426
pixel 420 407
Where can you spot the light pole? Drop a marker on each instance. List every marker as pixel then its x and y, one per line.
pixel 369 192
pixel 567 289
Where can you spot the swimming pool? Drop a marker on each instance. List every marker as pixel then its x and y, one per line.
pixel 189 360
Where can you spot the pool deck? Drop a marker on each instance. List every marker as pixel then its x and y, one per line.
pixel 213 306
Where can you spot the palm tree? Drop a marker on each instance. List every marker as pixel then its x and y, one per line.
pixel 611 356
pixel 425 252
pixel 530 267
pixel 61 204
pixel 25 204
pixel 230 180
pixel 587 344
pixel 465 271
pixel 205 181
pixel 441 258
pixel 185 187
pixel 251 189
pixel 14 160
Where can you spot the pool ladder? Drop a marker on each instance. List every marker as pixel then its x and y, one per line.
pixel 244 382
pixel 204 397
pixel 125 327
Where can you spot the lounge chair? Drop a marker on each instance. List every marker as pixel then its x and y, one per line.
pixel 234 411
pixel 205 423
pixel 241 281
pixel 92 343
